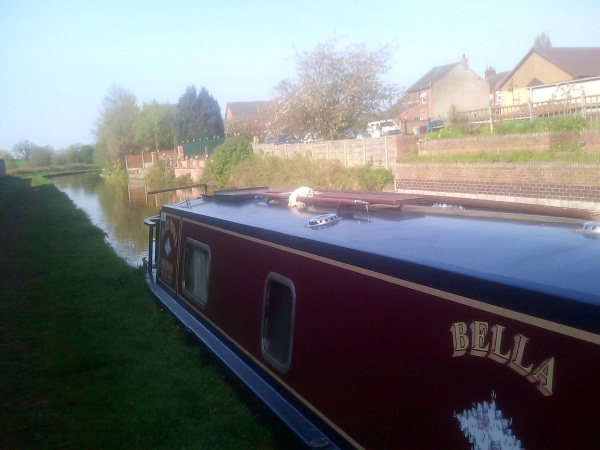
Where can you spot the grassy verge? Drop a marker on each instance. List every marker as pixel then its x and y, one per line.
pixel 50 171
pixel 524 156
pixel 87 359
pixel 277 172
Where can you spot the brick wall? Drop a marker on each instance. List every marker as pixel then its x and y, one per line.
pixel 564 185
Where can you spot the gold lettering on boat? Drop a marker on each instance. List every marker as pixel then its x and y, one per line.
pixel 481 340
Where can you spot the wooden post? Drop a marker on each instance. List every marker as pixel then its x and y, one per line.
pixel 386 151
pixel 530 106
pixel 345 154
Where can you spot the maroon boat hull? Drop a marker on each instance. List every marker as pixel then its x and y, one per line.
pixel 382 358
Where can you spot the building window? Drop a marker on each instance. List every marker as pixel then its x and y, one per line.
pixel 423 97
pixel 498 96
pixel 278 321
pixel 196 271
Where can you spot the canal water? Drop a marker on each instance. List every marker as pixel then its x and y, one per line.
pixel 119 209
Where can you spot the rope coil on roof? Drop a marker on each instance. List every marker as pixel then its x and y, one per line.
pixel 300 192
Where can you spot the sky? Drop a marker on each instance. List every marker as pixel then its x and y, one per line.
pixel 60 58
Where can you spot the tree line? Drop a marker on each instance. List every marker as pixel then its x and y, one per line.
pixel 334 90
pixel 43 156
pixel 125 128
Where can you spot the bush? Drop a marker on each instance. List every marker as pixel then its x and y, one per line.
pixel 9 161
pixel 541 125
pixel 374 179
pixel 458 126
pixel 225 158
pixel 60 159
pixel 159 173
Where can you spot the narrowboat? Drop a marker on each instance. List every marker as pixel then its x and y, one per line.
pixel 377 321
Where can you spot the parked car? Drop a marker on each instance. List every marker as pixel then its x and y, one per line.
pixel 287 138
pixel 310 137
pixel 382 128
pixel 435 125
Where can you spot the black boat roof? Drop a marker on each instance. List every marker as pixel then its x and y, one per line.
pixel 543 253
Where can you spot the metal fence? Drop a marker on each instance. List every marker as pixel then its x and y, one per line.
pixel 201 147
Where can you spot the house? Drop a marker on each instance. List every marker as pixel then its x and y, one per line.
pixel 494 81
pixel 547 65
pixel 245 118
pixel 244 110
pixel 443 87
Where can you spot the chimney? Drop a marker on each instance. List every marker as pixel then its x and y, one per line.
pixel 465 62
pixel 489 72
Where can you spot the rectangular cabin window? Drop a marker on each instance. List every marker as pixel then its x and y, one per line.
pixel 278 321
pixel 196 270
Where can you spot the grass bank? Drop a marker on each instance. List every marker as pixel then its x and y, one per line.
pixel 525 156
pixel 87 359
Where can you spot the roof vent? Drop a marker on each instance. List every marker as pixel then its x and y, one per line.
pixel 590 229
pixel 324 220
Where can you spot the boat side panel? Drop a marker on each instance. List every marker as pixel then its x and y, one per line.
pixel 168 250
pixel 385 362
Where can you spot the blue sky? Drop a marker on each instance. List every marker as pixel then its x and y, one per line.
pixel 60 58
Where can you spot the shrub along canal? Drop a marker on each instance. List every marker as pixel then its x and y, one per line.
pixel 87 359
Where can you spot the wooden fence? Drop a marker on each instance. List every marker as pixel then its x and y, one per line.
pixel 587 107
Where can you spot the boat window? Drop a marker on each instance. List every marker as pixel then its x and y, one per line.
pixel 278 321
pixel 196 270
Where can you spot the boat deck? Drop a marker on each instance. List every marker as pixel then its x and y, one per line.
pixel 546 252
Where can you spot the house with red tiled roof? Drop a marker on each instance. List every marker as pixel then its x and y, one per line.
pixel 546 65
pixel 433 95
pixel 494 81
pixel 244 110
pixel 247 118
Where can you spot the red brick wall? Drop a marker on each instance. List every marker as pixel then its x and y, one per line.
pixel 563 182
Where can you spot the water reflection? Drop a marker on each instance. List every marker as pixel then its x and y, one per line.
pixel 119 209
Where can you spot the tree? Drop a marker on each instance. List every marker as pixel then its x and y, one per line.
pixel 79 154
pixel 198 116
pixel 115 136
pixel 335 90
pixel 154 127
pixel 23 149
pixel 41 156
pixel 542 40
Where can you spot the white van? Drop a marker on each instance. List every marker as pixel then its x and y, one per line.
pixel 382 128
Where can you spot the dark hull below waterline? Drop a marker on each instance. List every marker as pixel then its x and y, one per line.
pixel 389 328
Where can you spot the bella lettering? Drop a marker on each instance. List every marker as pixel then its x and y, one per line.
pixel 479 339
